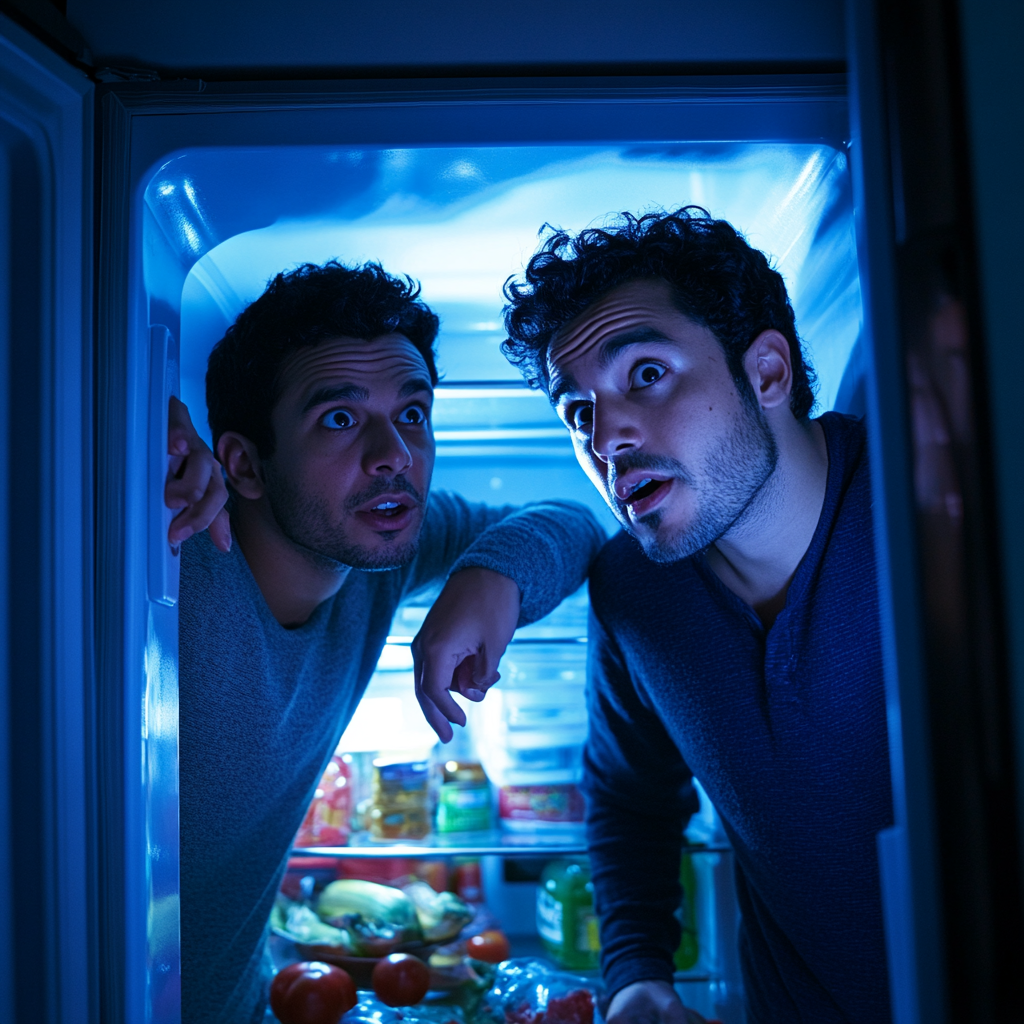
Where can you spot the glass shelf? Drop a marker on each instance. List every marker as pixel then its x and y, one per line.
pixel 406 641
pixel 473 844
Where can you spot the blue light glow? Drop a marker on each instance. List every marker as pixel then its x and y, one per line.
pixel 461 221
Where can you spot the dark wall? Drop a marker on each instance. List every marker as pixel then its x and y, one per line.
pixel 221 37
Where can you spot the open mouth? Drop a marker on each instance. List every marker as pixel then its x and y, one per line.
pixel 388 508
pixel 639 494
pixel 388 512
pixel 644 489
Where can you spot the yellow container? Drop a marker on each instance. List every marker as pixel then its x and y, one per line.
pixel 400 800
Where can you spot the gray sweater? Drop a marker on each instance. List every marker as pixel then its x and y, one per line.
pixel 262 709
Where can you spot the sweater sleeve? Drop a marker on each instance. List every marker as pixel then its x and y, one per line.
pixel 639 798
pixel 546 547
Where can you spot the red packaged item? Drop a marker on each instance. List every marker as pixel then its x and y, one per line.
pixel 327 820
pixel 467 880
pixel 575 1007
pixel 396 871
pixel 540 805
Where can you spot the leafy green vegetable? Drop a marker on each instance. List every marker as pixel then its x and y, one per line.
pixel 299 923
pixel 442 915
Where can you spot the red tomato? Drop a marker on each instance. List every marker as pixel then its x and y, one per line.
pixel 312 993
pixel 490 946
pixel 400 979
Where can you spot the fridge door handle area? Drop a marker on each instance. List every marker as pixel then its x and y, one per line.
pixel 164 561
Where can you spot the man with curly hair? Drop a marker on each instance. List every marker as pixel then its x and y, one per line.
pixel 319 399
pixel 735 627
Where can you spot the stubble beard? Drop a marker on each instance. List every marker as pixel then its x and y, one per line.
pixel 726 488
pixel 306 521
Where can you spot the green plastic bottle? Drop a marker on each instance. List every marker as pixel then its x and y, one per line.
pixel 688 952
pixel 566 921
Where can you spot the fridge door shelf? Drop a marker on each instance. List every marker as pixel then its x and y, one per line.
pixel 476 844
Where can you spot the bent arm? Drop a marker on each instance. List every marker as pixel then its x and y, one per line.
pixel 514 571
pixel 639 797
pixel 546 547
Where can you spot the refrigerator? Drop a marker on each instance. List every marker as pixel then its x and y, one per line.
pixel 461 220
pixel 162 207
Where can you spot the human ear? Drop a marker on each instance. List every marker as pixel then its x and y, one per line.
pixel 769 367
pixel 242 465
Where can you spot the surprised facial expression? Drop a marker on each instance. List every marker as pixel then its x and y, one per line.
pixel 657 421
pixel 354 452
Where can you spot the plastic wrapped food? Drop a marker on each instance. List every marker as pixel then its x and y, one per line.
pixel 370 1010
pixel 530 992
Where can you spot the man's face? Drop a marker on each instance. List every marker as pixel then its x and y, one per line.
pixel 354 452
pixel 657 421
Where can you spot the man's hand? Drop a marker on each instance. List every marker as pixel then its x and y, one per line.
pixel 650 1002
pixel 194 483
pixel 461 642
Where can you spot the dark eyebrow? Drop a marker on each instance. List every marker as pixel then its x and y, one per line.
pixel 611 348
pixel 411 387
pixel 561 386
pixel 341 393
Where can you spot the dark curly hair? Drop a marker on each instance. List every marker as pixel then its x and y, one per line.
pixel 300 309
pixel 717 280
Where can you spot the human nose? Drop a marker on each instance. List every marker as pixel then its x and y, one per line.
pixel 385 451
pixel 613 432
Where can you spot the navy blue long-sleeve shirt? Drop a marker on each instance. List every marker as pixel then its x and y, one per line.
pixel 786 730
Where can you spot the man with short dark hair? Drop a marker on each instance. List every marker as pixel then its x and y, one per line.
pixel 320 401
pixel 744 648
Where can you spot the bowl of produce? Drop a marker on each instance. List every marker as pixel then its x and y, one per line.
pixel 355 924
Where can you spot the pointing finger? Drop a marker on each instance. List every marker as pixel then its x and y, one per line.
pixel 433 670
pixel 438 669
pixel 436 720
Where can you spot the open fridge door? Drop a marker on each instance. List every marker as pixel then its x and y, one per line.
pixel 48 910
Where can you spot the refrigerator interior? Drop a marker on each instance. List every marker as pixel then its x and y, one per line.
pixel 461 220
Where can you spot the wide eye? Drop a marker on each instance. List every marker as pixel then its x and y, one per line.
pixel 644 375
pixel 413 415
pixel 337 419
pixel 580 416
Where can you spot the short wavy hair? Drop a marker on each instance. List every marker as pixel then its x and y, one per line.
pixel 300 309
pixel 717 280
